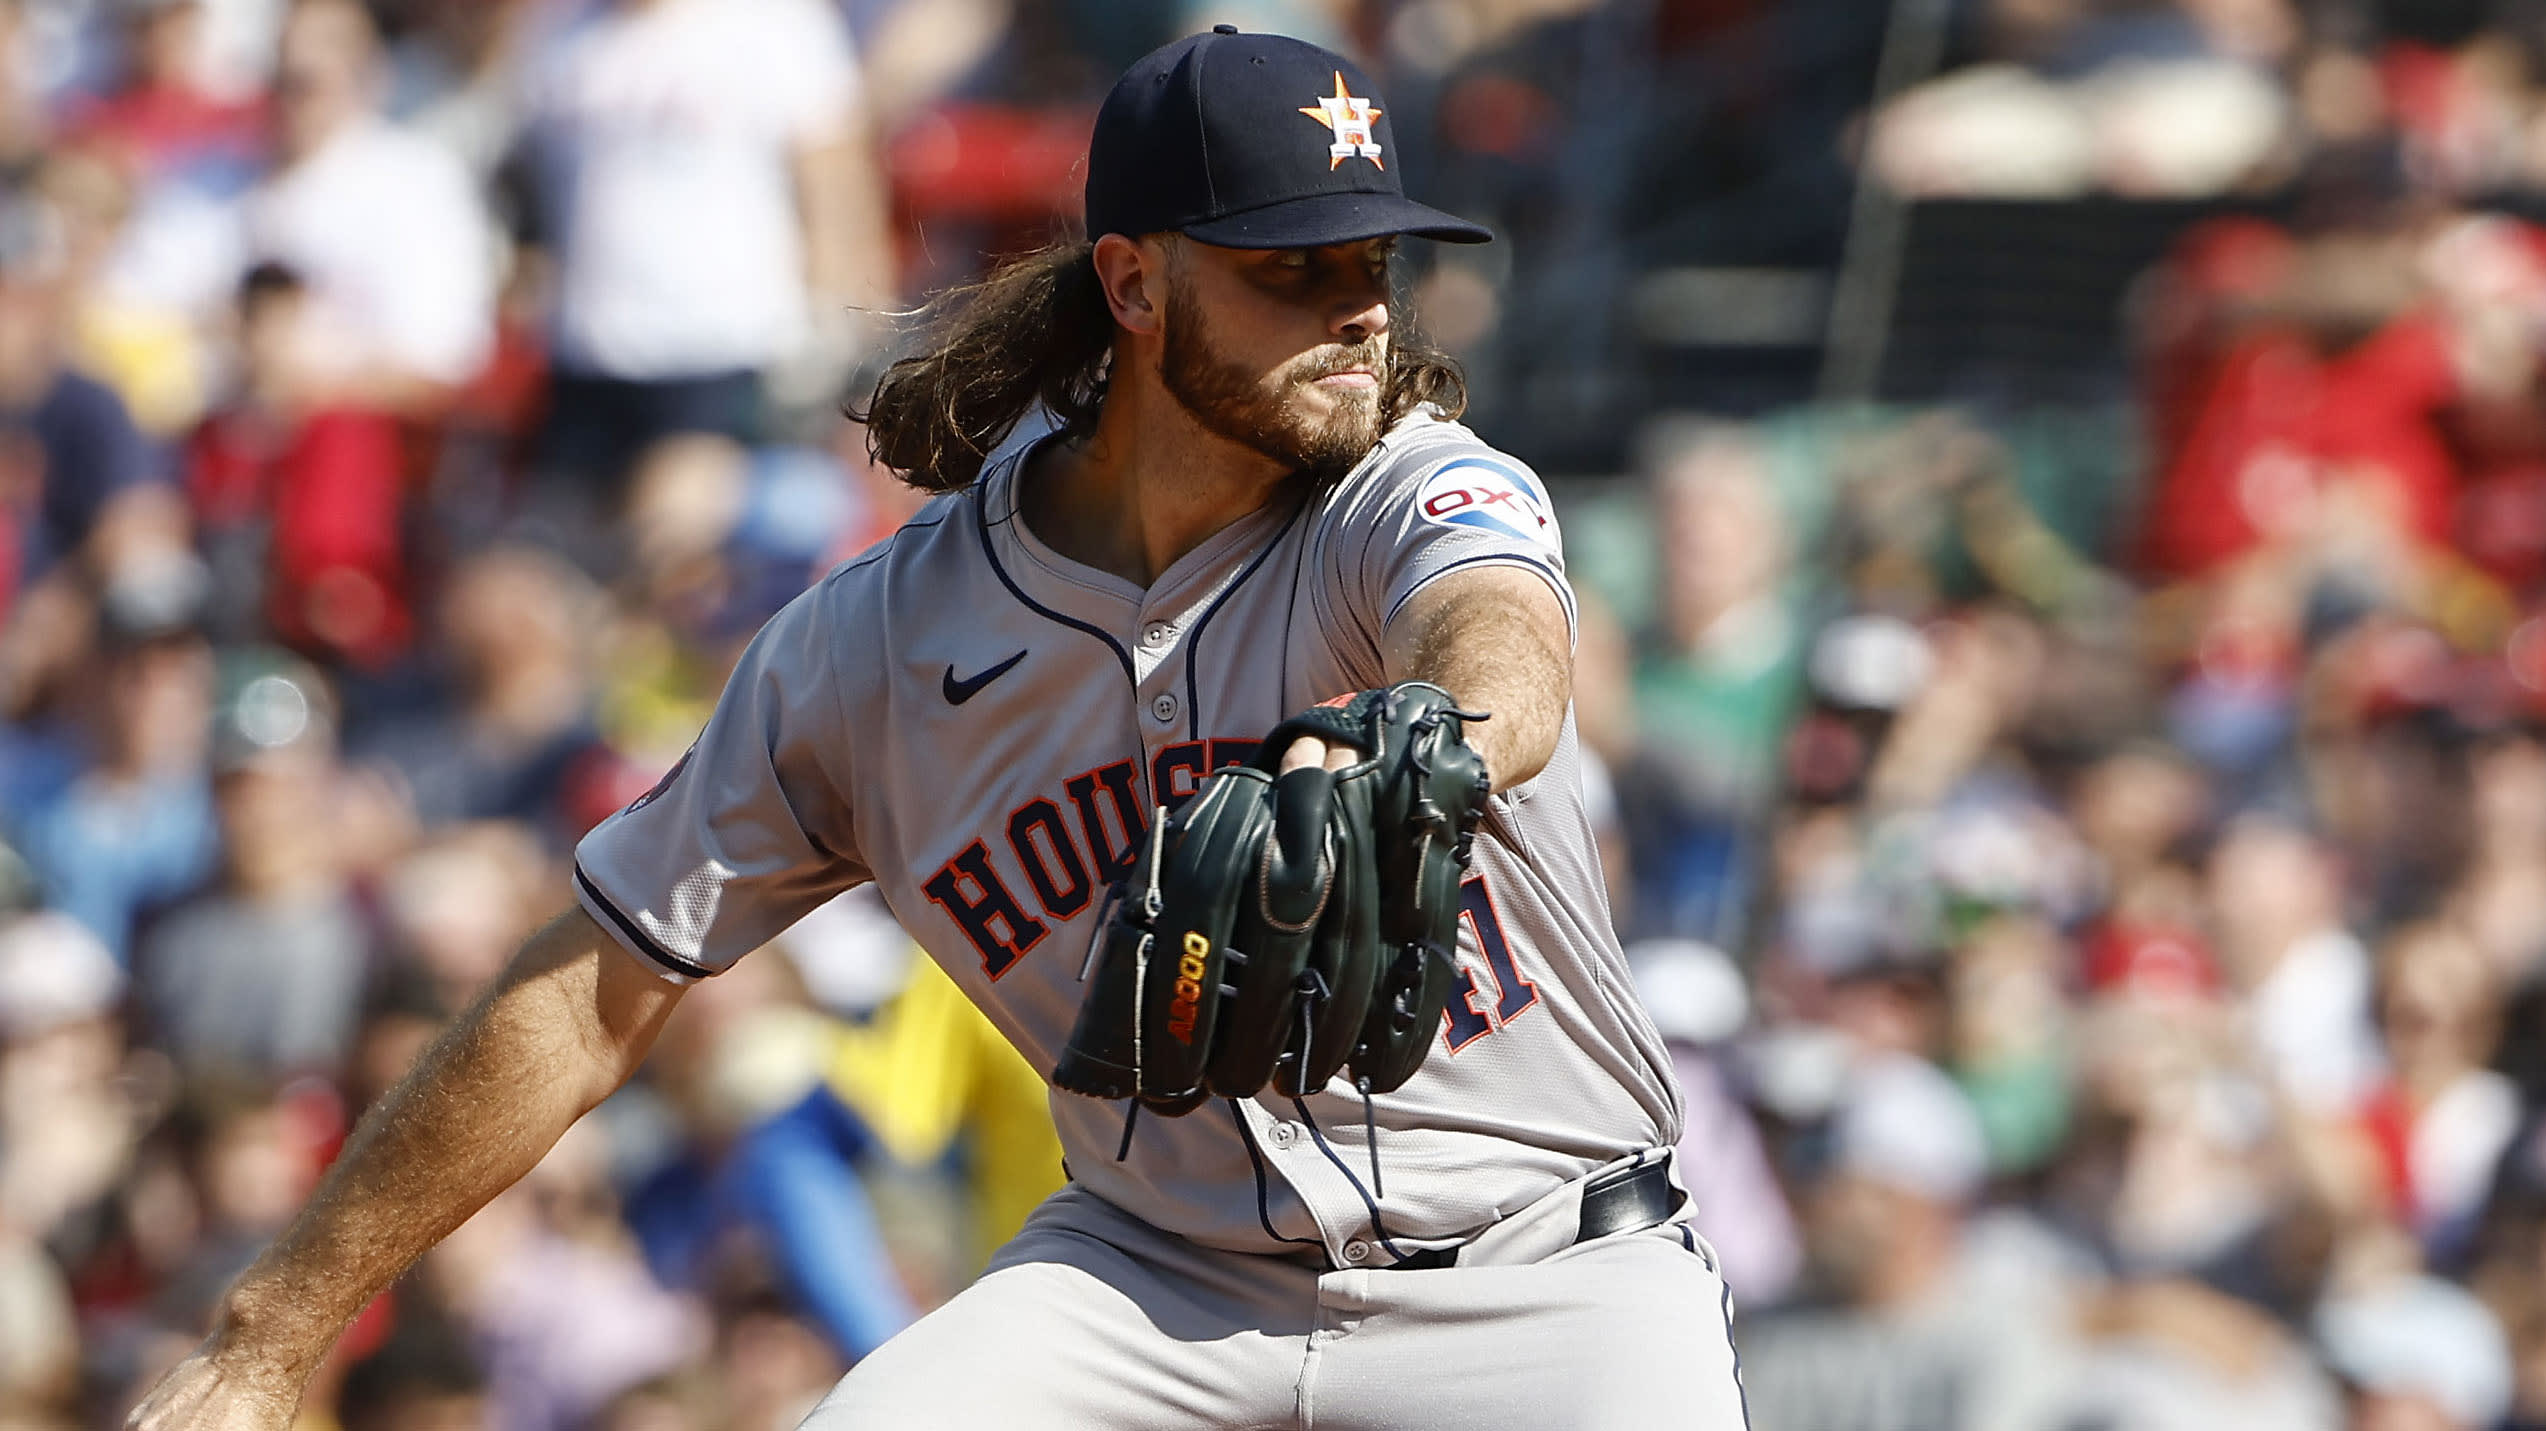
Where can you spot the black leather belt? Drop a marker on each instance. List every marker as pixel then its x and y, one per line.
pixel 1622 1200
pixel 1628 1200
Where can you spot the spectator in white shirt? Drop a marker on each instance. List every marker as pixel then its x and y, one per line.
pixel 385 226
pixel 703 177
pixel 2308 981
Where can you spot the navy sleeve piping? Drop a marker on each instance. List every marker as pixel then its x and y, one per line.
pixel 635 936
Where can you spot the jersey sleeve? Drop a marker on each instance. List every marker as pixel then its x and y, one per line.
pixel 1440 508
pixel 750 831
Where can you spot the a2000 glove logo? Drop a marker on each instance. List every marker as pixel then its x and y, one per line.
pixel 1189 969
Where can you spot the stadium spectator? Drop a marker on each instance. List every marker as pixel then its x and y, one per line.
pixel 2278 910
pixel 384 226
pixel 248 1151
pixel 706 187
pixel 2501 909
pixel 1699 1003
pixel 161 120
pixel 298 492
pixel 66 1121
pixel 83 486
pixel 158 162
pixel 555 1298
pixel 1723 668
pixel 512 721
pixel 23 127
pixel 1916 1321
pixel 455 907
pixel 2418 1355
pixel 128 825
pixel 2171 1172
pixel 2440 1009
pixel 264 970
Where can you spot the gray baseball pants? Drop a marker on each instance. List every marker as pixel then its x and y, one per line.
pixel 1093 1319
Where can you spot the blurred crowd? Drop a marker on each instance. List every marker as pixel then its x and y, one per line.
pixel 2050 99
pixel 2093 878
pixel 2098 890
pixel 406 413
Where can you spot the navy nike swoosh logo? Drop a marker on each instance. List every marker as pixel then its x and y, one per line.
pixel 958 692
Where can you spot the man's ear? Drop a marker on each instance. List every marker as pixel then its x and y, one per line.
pixel 1133 273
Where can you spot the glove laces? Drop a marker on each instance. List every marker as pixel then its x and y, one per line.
pixel 1150 901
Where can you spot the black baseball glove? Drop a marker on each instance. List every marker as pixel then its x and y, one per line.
pixel 1279 928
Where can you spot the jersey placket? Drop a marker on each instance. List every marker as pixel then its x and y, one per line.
pixel 1294 1152
pixel 1182 727
pixel 1176 746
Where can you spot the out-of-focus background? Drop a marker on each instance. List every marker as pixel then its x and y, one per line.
pixel 2059 491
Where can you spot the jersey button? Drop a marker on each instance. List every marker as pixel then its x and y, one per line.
pixel 1164 708
pixel 1285 1134
pixel 1157 633
pixel 1356 1251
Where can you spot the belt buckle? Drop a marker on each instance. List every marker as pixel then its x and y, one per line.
pixel 1628 1199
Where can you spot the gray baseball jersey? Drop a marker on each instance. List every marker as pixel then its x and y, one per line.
pixel 985 729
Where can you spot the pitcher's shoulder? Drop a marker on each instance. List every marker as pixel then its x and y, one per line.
pixel 1421 440
pixel 1434 471
pixel 936 541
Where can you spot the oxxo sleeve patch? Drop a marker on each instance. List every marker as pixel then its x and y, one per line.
pixel 1488 496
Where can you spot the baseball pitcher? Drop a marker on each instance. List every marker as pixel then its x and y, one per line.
pixel 1211 729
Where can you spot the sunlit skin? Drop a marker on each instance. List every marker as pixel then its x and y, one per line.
pixel 1335 297
pixel 1293 344
pixel 1316 414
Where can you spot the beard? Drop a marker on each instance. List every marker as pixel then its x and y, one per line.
pixel 1231 402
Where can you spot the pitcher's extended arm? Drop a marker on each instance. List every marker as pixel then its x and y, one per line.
pixel 1495 638
pixel 566 1024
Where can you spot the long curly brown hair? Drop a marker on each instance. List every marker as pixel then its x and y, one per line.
pixel 1037 330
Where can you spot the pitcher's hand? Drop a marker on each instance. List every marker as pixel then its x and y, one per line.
pixel 208 1393
pixel 1309 750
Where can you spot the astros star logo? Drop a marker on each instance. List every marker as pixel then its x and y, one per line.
pixel 1349 116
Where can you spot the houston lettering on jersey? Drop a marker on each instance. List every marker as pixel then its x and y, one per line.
pixel 1063 860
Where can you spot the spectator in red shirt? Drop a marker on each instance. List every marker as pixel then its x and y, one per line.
pixel 298 495
pixel 160 119
pixel 2296 384
pixel 2283 426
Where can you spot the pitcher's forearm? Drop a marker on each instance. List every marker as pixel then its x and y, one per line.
pixel 565 1025
pixel 1495 638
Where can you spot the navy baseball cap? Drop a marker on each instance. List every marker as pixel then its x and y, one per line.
pixel 1252 141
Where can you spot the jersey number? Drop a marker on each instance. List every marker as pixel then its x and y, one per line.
pixel 1465 1019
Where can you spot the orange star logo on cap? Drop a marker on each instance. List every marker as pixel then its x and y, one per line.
pixel 1349 117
